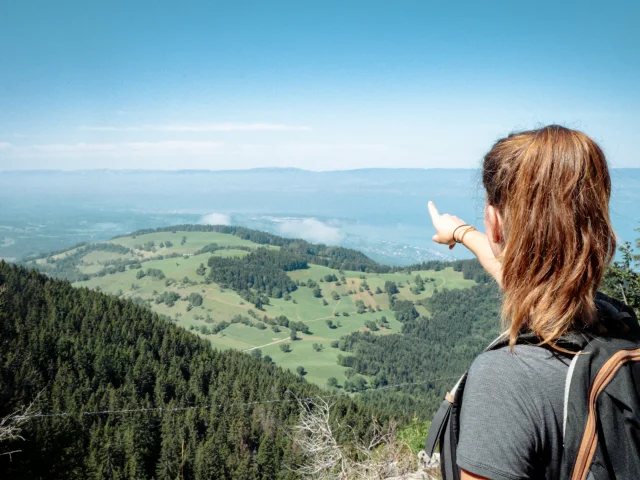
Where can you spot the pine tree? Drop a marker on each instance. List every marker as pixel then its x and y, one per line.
pixel 168 466
pixel 267 463
pixel 210 460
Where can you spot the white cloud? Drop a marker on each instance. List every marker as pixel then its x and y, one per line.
pixel 169 147
pixel 167 152
pixel 310 229
pixel 216 219
pixel 173 145
pixel 73 147
pixel 110 129
pixel 324 148
pixel 214 127
pixel 232 127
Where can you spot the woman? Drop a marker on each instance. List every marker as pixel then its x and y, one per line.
pixel 548 243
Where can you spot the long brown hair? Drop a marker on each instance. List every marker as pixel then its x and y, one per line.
pixel 551 187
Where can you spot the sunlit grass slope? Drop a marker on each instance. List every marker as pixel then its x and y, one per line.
pixel 313 350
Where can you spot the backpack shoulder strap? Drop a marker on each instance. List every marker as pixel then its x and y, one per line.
pixel 438 424
pixel 567 389
pixel 441 431
pixel 441 419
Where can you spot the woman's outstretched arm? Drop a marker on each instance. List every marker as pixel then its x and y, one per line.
pixel 474 240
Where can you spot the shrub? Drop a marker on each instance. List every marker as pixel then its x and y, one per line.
pixel 414 434
pixel 257 353
pixel 371 325
pixel 195 299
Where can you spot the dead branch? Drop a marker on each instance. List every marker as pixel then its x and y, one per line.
pixel 11 425
pixel 379 457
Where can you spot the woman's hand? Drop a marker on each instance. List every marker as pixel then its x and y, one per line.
pixel 445 225
pixel 474 240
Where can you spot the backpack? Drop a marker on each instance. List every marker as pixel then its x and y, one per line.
pixel 601 422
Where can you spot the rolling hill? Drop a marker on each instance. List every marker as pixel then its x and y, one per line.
pixel 204 279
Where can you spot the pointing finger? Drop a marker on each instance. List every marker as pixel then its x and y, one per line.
pixel 433 211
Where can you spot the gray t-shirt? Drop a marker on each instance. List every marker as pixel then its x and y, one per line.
pixel 511 418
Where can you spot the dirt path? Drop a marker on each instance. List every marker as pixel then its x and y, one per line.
pixel 287 338
pixel 267 344
pixel 316 319
pixel 218 299
pixel 336 306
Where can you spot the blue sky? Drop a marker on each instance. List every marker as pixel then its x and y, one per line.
pixel 316 85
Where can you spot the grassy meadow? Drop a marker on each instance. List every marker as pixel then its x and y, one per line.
pixel 313 351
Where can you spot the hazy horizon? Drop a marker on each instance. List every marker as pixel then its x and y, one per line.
pixel 381 212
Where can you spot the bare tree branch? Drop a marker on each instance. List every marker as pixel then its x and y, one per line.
pixel 11 425
pixel 380 457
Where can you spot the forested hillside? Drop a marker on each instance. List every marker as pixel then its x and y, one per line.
pixel 83 354
pixel 431 353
